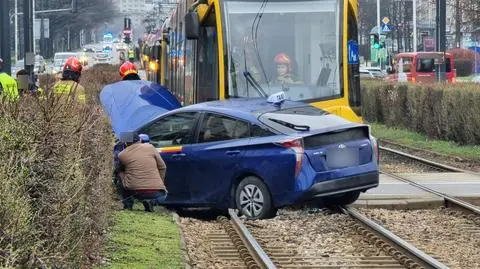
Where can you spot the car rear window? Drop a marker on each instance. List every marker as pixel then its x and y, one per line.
pixel 294 119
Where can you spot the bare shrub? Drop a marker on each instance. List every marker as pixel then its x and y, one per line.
pixel 56 191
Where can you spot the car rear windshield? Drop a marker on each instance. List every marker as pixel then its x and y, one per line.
pixel 295 119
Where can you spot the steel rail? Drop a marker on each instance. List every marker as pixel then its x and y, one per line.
pixel 446 197
pixel 261 258
pixel 428 162
pixel 394 239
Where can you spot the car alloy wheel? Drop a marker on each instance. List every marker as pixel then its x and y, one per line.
pixel 251 200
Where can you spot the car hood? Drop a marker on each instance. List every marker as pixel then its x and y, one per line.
pixel 131 104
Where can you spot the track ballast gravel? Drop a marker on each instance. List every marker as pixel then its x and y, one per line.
pixel 312 240
pixel 451 239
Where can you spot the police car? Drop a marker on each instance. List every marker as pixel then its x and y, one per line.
pixel 257 155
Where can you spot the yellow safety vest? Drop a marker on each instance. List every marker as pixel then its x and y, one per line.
pixel 65 87
pixel 131 54
pixel 9 87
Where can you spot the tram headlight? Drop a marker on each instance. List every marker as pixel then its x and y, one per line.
pixel 153 66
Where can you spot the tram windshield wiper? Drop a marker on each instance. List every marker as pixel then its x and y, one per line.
pixel 255 84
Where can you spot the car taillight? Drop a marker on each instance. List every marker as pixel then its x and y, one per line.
pixel 297 146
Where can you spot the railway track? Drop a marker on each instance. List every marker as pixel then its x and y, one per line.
pixel 470 210
pixel 261 249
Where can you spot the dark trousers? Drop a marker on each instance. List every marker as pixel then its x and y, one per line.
pixel 148 199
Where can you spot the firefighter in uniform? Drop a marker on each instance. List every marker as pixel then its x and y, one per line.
pixel 69 85
pixel 128 71
pixel 8 86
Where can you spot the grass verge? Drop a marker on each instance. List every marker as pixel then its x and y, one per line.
pixel 143 240
pixel 408 138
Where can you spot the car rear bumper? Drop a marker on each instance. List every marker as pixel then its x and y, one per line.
pixel 341 185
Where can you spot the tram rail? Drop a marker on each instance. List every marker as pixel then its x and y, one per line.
pixel 398 252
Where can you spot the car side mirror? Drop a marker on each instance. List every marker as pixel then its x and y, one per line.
pixel 192 26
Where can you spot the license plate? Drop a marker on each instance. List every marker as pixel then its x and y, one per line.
pixel 339 158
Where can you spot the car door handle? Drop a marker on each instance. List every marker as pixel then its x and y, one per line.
pixel 233 152
pixel 179 155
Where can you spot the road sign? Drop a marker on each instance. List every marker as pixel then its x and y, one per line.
pixel 386 28
pixel 428 43
pixel 353 55
pixel 386 20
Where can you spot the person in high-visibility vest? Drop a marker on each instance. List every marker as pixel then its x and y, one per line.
pixel 68 85
pixel 131 55
pixel 8 86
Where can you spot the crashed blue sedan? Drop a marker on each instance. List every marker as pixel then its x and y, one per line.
pixel 251 154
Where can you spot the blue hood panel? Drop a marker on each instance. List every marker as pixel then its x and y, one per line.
pixel 131 104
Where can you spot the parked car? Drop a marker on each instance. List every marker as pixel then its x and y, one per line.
pixel 39 66
pixel 102 57
pixel 252 154
pixel 376 72
pixel 59 60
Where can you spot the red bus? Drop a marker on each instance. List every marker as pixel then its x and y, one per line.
pixel 421 67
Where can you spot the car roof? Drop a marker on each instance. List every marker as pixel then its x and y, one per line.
pixel 246 108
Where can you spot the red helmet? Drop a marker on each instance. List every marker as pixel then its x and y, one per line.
pixel 282 58
pixel 127 68
pixel 73 64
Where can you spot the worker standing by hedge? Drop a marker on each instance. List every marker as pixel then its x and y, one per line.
pixel 131 54
pixel 69 84
pixel 8 86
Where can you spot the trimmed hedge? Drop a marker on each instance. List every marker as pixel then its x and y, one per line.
pixel 450 112
pixel 56 190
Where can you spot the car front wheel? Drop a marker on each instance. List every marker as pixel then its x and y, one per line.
pixel 253 199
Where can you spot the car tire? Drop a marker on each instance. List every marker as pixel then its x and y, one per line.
pixel 253 199
pixel 342 199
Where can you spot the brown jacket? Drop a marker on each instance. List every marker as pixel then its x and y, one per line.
pixel 144 168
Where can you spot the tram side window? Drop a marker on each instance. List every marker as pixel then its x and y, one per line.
pixel 207 68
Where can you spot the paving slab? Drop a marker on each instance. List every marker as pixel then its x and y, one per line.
pixel 395 194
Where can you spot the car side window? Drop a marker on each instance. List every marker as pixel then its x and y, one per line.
pixel 258 131
pixel 172 130
pixel 219 128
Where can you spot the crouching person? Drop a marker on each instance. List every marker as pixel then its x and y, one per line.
pixel 142 172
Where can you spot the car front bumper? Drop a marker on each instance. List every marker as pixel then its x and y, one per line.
pixel 330 187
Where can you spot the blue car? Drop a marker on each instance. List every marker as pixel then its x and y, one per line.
pixel 251 154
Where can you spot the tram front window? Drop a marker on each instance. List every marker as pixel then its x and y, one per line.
pixel 292 46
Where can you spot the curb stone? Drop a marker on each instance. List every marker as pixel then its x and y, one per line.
pixel 183 247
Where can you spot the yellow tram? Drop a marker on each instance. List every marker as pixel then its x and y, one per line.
pixel 218 49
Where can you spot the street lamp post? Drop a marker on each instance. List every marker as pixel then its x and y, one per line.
pixel 414 25
pixel 5 34
pixel 16 30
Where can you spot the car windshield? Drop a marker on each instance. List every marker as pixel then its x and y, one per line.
pixel 60 60
pixel 282 46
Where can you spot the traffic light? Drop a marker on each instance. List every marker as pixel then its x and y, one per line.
pixel 127 40
pixel 127 23
pixel 376 42
pixel 382 41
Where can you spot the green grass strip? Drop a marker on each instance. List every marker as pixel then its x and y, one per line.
pixel 408 138
pixel 143 240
